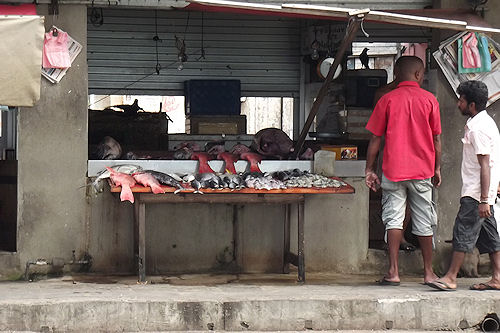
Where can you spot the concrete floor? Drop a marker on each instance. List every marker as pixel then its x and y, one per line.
pixel 275 302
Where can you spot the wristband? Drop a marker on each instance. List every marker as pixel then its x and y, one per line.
pixel 483 202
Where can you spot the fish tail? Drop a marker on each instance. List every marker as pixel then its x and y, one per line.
pixel 126 194
pixel 157 189
pixel 111 170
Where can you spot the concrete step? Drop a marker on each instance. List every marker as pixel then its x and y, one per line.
pixel 238 303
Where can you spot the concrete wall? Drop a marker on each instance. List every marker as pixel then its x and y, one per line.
pixel 336 230
pixel 52 154
pixel 453 122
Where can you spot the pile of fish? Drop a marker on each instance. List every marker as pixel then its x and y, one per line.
pixel 128 176
pixel 313 180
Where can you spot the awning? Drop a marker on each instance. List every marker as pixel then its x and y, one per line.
pixel 456 19
pixel 21 51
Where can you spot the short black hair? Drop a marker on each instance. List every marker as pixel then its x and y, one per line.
pixel 474 91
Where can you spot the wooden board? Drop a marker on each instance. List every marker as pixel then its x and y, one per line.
pixel 297 190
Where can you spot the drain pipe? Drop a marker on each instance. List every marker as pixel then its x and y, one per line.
pixel 491 323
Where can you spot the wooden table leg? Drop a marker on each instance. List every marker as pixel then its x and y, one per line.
pixel 300 247
pixel 141 259
pixel 136 235
pixel 286 240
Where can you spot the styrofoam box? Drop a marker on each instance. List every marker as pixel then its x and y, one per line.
pixel 190 167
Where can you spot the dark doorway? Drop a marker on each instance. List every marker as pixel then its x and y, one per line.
pixel 8 179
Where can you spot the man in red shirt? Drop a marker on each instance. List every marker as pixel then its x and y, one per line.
pixel 409 118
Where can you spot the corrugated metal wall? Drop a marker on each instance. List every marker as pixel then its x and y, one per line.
pixel 261 51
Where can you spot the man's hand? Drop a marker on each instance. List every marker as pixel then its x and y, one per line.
pixel 372 181
pixel 484 210
pixel 436 180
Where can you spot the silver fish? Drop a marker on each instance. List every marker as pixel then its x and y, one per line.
pixel 165 179
pixel 129 169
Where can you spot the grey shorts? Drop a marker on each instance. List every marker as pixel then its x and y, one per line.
pixel 418 194
pixel 471 230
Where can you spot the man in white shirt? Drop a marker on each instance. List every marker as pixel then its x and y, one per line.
pixel 475 224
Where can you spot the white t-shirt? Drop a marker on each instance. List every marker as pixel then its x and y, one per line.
pixel 481 138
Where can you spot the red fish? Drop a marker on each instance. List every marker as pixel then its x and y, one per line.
pixel 125 181
pixel 229 160
pixel 203 159
pixel 254 160
pixel 147 179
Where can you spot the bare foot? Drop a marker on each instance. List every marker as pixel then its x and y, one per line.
pixel 449 284
pixel 430 278
pixel 490 285
pixel 391 278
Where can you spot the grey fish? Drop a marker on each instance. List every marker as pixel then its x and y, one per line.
pixel 206 180
pixel 233 181
pixel 108 149
pixel 165 179
pixel 288 174
pixel 183 154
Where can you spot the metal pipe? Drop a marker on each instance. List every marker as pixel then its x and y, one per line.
pixel 491 323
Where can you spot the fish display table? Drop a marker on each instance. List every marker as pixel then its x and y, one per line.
pixel 285 197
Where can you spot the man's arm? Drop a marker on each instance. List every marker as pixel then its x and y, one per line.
pixel 484 163
pixel 437 165
pixel 371 178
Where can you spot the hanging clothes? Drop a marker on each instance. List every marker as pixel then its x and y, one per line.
pixel 472 47
pixel 55 50
pixel 470 52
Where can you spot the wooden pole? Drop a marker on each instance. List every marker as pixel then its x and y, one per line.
pixel 353 29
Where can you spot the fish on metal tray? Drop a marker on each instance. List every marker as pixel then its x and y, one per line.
pixel 129 169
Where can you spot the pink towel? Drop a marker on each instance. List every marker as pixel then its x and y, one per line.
pixel 55 50
pixel 470 52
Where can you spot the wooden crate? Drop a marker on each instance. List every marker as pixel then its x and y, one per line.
pixel 216 124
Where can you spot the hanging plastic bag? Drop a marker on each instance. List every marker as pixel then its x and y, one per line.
pixel 55 50
pixel 481 47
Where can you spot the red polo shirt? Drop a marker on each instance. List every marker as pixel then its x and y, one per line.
pixel 409 117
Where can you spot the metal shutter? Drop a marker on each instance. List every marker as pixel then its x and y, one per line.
pixel 261 51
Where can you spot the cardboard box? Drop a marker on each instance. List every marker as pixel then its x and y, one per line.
pixel 343 152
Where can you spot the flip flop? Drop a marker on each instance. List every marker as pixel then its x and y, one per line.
pixel 385 282
pixel 483 286
pixel 440 285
